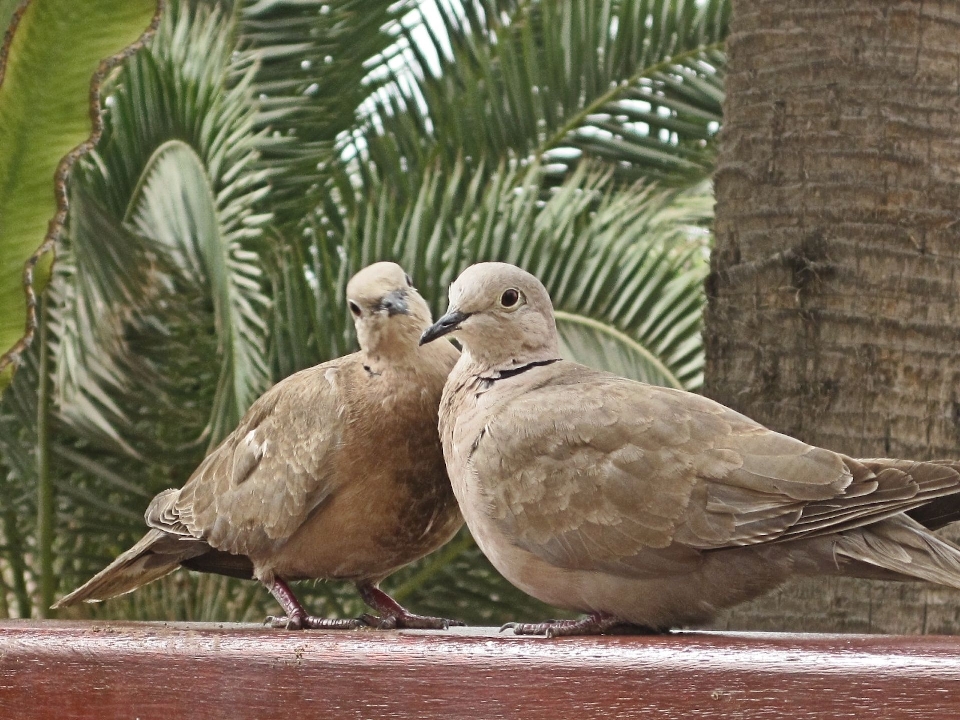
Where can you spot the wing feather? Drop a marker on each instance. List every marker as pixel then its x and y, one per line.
pixel 626 477
pixel 262 482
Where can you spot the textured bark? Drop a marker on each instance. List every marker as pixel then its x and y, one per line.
pixel 834 301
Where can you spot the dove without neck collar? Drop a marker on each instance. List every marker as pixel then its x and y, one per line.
pixel 387 334
pixel 336 472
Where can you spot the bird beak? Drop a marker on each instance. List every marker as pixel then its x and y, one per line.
pixel 395 303
pixel 447 324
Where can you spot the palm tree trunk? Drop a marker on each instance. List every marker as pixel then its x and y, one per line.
pixel 834 297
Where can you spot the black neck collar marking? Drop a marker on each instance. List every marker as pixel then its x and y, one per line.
pixel 513 372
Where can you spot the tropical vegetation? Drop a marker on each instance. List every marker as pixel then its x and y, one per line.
pixel 255 155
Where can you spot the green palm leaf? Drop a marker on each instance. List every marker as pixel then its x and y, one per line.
pixel 7 8
pixel 175 207
pixel 614 256
pixel 177 213
pixel 159 286
pixel 637 84
pixel 316 67
pixel 602 346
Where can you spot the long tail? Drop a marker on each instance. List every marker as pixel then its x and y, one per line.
pixel 904 547
pixel 943 507
pixel 943 510
pixel 155 555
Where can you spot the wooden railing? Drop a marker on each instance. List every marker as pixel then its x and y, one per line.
pixel 107 671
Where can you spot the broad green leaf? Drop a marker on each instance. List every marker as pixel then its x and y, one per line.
pixel 44 114
pixel 7 8
pixel 317 65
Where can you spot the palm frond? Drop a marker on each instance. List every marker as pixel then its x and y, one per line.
pixel 633 83
pixel 159 286
pixel 175 207
pixel 18 481
pixel 45 124
pixel 177 213
pixel 317 65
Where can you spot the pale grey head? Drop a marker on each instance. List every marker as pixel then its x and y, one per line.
pixel 501 314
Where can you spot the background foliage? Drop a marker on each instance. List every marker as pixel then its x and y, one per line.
pixel 257 154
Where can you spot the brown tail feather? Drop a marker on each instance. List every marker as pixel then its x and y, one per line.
pixel 219 562
pixel 155 555
pixel 944 507
pixel 937 513
pixel 905 548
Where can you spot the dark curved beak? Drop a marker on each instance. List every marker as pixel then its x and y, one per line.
pixel 395 303
pixel 447 324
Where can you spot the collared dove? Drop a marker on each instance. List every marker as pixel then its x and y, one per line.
pixel 335 473
pixel 647 506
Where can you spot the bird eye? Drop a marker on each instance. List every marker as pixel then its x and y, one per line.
pixel 509 298
pixel 354 308
pixel 409 280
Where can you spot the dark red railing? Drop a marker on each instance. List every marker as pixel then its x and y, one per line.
pixel 106 671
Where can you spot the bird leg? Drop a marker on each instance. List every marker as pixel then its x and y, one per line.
pixel 393 615
pixel 598 623
pixel 296 617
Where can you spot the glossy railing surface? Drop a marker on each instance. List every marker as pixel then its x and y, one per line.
pixel 107 671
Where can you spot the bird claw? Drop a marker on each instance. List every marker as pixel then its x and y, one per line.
pixel 410 621
pixel 595 624
pixel 527 628
pixel 425 622
pixel 387 622
pixel 284 622
pixel 394 616
pixel 377 623
pixel 301 622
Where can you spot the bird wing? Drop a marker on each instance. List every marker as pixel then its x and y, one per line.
pixel 589 470
pixel 265 479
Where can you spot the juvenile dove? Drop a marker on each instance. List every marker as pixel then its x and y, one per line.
pixel 335 473
pixel 646 506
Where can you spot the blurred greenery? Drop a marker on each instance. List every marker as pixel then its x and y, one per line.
pixel 257 154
